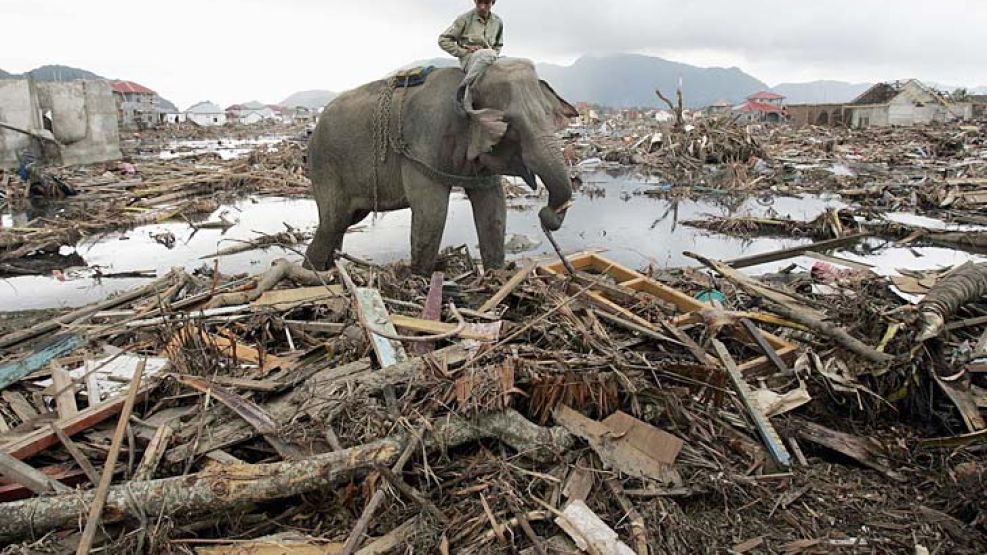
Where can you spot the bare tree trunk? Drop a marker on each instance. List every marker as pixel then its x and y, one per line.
pixel 233 485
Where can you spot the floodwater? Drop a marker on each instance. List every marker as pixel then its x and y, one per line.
pixel 609 214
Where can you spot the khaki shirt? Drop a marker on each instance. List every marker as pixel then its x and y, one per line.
pixel 471 30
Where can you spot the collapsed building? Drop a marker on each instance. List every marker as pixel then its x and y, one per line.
pixel 60 123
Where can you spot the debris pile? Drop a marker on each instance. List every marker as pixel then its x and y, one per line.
pixel 124 195
pixel 369 410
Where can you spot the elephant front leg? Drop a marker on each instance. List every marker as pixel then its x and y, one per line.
pixel 429 203
pixel 490 217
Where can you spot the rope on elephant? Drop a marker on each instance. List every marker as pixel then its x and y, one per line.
pixel 384 140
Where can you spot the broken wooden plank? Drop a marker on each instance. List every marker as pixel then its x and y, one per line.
pixel 375 317
pixel 286 299
pixel 245 409
pixel 52 348
pixel 80 458
pixel 103 489
pixel 755 333
pixel 64 392
pixel 776 448
pixel 589 531
pixel 509 287
pixel 152 455
pixel 784 254
pixel 40 440
pixel 21 407
pixel 431 311
pixel 29 477
pixel 863 450
pixel 12 491
pixel 626 444
pixel 437 328
pixel 235 350
pixel 964 403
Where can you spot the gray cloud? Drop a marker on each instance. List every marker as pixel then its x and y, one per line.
pixel 234 50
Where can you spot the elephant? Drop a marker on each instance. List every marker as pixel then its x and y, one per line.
pixel 381 148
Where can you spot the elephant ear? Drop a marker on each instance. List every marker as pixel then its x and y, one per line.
pixel 561 110
pixel 487 128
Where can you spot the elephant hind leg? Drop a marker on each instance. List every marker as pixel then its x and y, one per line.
pixel 329 238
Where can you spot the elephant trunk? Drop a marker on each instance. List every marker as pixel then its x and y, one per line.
pixel 543 155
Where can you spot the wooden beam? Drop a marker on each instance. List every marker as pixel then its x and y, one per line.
pixel 28 476
pixel 509 287
pixel 776 448
pixel 21 407
pixel 57 346
pixel 436 328
pixel 64 392
pixel 40 440
pixel 152 455
pixel 432 310
pixel 80 458
pixel 785 254
pixel 103 489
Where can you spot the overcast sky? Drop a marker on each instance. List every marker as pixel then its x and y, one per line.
pixel 238 50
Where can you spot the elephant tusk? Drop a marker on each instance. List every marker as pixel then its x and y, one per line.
pixel 568 204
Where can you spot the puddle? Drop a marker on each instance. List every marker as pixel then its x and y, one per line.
pixel 926 222
pixel 609 214
pixel 227 149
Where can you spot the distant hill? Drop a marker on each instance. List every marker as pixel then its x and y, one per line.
pixel 820 92
pixel 310 99
pixel 60 73
pixel 4 74
pixel 630 80
pixel 166 104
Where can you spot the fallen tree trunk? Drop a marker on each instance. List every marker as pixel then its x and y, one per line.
pixel 302 398
pixel 233 485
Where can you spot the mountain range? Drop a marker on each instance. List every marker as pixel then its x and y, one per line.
pixel 616 80
pixel 591 79
pixel 313 99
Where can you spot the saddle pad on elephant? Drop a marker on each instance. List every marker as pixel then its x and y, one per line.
pixel 412 77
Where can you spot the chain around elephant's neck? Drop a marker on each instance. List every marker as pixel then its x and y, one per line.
pixel 384 141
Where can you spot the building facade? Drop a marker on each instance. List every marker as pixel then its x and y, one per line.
pixel 137 105
pixel 206 114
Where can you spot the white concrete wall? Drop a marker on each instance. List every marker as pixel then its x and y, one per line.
pixel 18 107
pixel 207 120
pixel 84 120
pixel 870 116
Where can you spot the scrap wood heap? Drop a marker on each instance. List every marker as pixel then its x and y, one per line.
pixel 933 170
pixel 367 410
pixel 122 196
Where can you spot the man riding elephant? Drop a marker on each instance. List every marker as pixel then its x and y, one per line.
pixel 476 38
pixel 393 144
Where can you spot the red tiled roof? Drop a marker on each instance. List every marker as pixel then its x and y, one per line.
pixel 765 95
pixel 130 87
pixel 761 107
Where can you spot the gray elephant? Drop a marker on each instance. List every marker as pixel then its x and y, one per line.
pixel 383 148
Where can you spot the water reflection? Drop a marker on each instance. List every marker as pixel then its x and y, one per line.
pixel 633 228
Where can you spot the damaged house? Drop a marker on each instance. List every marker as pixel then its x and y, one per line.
pixel 206 114
pixel 60 123
pixel 137 105
pixel 762 107
pixel 904 103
